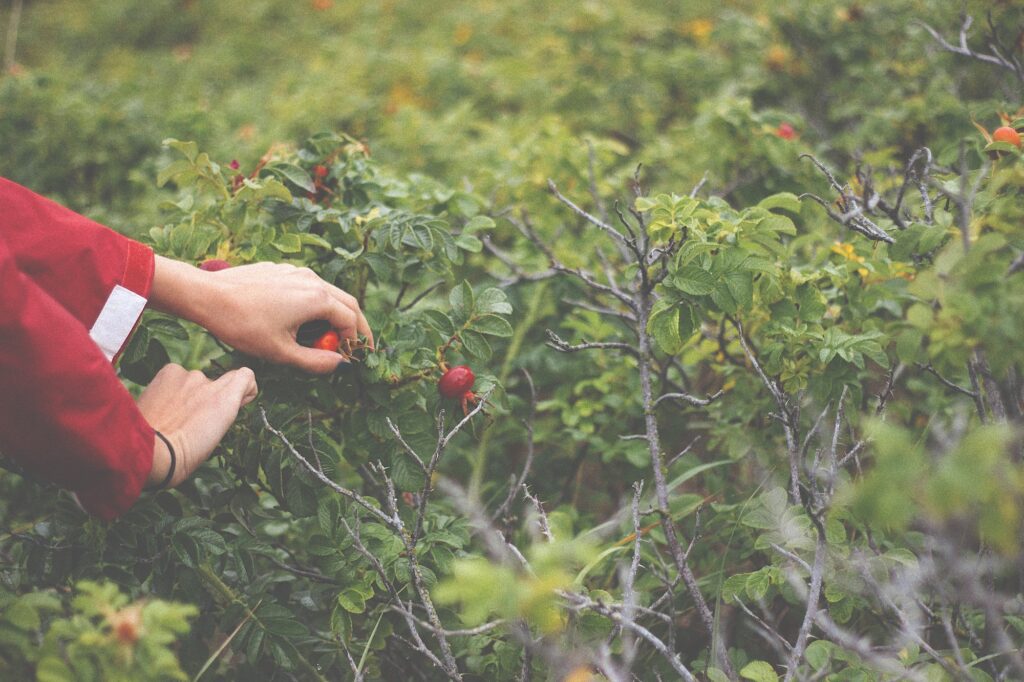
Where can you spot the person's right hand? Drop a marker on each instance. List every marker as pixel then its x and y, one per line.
pixel 193 412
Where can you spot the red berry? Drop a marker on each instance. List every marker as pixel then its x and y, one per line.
pixel 1007 134
pixel 214 264
pixel 329 341
pixel 456 382
pixel 320 171
pixel 234 164
pixel 785 131
pixel 126 624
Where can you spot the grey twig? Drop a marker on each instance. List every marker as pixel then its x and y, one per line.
pixel 560 344
pixel 520 483
pixel 964 49
pixel 693 400
pixel 390 522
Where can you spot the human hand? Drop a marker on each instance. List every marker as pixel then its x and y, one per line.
pixel 193 412
pixel 258 308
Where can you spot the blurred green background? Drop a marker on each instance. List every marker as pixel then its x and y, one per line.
pixel 496 96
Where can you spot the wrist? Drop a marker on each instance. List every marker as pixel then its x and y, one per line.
pixel 162 473
pixel 182 290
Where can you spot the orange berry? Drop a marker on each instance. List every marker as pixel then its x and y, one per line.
pixel 1007 134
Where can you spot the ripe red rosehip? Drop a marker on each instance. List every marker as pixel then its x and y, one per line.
pixel 320 171
pixel 234 164
pixel 329 341
pixel 456 382
pixel 785 131
pixel 214 264
pixel 1007 134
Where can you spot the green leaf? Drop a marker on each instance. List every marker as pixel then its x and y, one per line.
pixel 172 171
pixel 741 287
pixel 167 327
pixel 480 222
pixel 22 616
pixel 351 600
pixel 787 201
pixel 819 653
pixel 493 300
pixel 468 242
pixel 289 243
pixel 492 325
pixel 439 321
pixel 461 301
pixel 291 173
pixel 663 325
pixel 759 671
pixel 758 584
pixel 694 280
pixel 476 345
pixel 189 149
pixel 314 240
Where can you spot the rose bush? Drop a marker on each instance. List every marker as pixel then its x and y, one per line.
pixel 759 425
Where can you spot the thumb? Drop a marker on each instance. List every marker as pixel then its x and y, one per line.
pixel 240 385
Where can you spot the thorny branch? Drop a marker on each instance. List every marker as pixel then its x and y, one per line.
pixel 996 57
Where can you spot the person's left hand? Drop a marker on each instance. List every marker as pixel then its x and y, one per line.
pixel 259 308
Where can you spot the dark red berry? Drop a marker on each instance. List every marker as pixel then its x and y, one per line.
pixel 214 264
pixel 320 171
pixel 456 382
pixel 234 164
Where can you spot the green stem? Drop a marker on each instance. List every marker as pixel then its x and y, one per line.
pixel 532 313
pixel 220 588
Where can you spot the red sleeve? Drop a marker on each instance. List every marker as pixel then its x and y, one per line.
pixel 64 415
pixel 71 291
pixel 100 277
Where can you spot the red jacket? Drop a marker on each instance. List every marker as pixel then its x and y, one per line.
pixel 71 292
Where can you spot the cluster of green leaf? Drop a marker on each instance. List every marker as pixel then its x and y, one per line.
pixel 94 635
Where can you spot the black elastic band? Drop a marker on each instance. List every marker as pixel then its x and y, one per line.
pixel 170 471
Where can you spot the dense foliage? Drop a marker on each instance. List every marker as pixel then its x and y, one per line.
pixel 750 410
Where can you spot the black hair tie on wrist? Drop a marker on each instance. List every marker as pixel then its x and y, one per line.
pixel 170 471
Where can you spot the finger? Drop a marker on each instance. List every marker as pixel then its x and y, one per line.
pixel 347 299
pixel 169 372
pixel 312 360
pixel 342 318
pixel 239 385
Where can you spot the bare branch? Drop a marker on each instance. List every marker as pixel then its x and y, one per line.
pixel 964 50
pixel 693 400
pixel 390 522
pixel 813 596
pixel 519 484
pixel 560 344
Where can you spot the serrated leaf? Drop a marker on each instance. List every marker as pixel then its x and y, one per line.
pixel 694 280
pixel 461 301
pixel 439 321
pixel 493 300
pixel 475 344
pixel 663 325
pixel 492 325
